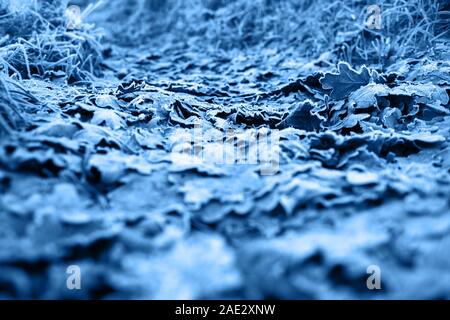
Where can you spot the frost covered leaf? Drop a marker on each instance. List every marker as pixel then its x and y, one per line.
pixel 427 93
pixel 110 118
pixel 362 178
pixel 423 71
pixel 345 81
pixel 426 138
pixel 109 168
pixel 296 266
pixel 185 271
pixel 303 118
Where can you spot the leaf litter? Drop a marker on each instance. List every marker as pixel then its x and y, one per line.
pixel 89 118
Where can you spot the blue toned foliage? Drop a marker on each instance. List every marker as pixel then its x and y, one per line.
pixel 224 149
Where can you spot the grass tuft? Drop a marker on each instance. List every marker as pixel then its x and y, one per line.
pixel 409 27
pixel 43 47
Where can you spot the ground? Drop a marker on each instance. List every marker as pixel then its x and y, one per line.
pixel 117 137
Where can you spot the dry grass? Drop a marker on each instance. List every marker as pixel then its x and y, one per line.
pixel 38 44
pixel 409 27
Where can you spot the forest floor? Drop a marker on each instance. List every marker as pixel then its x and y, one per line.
pixel 101 167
